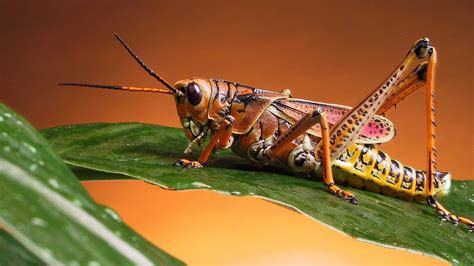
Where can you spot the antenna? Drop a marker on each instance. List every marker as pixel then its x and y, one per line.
pixel 144 66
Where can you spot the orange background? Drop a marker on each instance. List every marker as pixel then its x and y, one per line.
pixel 330 51
pixel 207 228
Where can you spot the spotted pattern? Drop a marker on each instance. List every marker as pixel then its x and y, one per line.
pixel 378 130
pixel 349 128
pixel 351 154
pixel 366 160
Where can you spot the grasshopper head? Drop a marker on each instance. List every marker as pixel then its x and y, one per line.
pixel 191 96
pixel 192 102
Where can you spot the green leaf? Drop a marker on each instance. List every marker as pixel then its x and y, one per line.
pixel 147 152
pixel 49 216
pixel 13 253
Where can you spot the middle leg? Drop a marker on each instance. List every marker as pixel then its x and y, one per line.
pixel 300 128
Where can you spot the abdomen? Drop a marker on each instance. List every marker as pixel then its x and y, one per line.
pixel 366 167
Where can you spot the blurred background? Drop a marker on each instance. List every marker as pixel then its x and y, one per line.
pixel 329 51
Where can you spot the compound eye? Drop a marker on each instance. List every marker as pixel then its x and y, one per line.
pixel 193 93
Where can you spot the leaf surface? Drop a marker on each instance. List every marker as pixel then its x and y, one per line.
pixel 48 215
pixel 148 151
pixel 13 253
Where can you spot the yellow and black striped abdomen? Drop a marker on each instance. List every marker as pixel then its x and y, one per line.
pixel 365 167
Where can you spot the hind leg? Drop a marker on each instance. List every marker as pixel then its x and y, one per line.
pixel 349 127
pixel 429 186
pixel 422 75
pixel 346 131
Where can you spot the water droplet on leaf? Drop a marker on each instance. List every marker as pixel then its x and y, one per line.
pixel 112 214
pixel 38 221
pixel 54 183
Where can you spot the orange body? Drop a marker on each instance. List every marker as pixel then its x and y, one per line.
pixel 261 116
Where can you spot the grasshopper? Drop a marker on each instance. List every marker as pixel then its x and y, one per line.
pixel 311 138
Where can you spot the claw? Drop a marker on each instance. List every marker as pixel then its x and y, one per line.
pixel 353 200
pixel 344 195
pixel 446 216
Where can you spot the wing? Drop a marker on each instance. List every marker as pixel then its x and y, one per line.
pixel 378 130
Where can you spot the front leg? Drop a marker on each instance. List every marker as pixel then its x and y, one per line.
pixel 221 137
pixel 188 163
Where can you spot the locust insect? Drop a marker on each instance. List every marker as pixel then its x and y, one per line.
pixel 312 138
